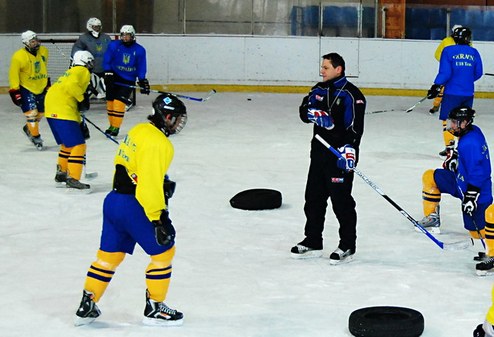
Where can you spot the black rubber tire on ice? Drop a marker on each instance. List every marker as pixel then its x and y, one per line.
pixel 386 322
pixel 256 199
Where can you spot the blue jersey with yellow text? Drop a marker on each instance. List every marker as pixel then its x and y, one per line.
pixel 127 62
pixel 474 164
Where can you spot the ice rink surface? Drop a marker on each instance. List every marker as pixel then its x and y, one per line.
pixel 233 274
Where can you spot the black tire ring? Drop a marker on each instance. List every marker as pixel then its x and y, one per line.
pixel 257 199
pixel 386 322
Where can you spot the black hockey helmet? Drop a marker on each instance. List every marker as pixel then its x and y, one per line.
pixel 457 116
pixel 169 114
pixel 462 35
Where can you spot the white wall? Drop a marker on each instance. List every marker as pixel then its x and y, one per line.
pixel 284 61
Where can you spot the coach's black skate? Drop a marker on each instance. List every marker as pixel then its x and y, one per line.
pixel 303 250
pixel 88 310
pixel 76 184
pixel 158 313
pixel 60 176
pixel 340 256
pixel 485 267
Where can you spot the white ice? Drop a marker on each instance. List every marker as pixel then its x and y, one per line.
pixel 233 274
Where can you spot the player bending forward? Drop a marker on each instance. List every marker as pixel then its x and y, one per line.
pixel 64 102
pixel 466 175
pixel 136 211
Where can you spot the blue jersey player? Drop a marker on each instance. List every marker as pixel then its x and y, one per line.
pixel 466 175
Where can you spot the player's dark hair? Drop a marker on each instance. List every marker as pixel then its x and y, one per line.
pixel 336 60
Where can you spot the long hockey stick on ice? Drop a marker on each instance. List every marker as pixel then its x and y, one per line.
pixel 379 111
pixel 103 132
pixel 446 246
pixel 415 105
pixel 197 99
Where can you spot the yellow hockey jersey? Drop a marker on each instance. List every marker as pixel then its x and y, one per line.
pixel 446 42
pixel 29 71
pixel 147 153
pixel 62 97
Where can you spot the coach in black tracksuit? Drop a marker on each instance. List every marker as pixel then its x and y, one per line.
pixel 337 108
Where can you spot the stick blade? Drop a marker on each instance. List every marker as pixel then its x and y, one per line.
pixel 458 245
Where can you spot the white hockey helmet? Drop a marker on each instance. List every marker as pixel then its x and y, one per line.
pixel 94 26
pixel 83 58
pixel 27 36
pixel 128 29
pixel 30 40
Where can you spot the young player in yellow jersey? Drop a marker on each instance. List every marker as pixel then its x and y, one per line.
pixel 136 212
pixel 28 82
pixel 64 102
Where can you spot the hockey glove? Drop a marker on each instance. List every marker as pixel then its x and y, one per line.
pixel 85 130
pixel 316 98
pixel 144 85
pixel 168 187
pixel 91 90
pixel 109 80
pixel 84 105
pixel 451 161
pixel 469 204
pixel 347 160
pixel 484 330
pixel 434 91
pixel 479 331
pixel 164 230
pixel 15 95
pixel 320 118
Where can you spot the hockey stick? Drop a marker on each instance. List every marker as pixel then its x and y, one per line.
pixel 415 105
pixel 87 175
pixel 197 99
pixel 478 232
pixel 446 246
pixel 489 74
pixel 60 50
pixel 379 111
pixel 103 132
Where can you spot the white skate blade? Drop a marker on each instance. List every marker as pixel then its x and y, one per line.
pixel 72 190
pixel 80 321
pixel 161 322
pixel 345 260
pixel 485 272
pixel 311 254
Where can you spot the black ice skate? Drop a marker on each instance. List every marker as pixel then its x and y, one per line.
pixel 60 176
pixel 303 252
pixel 485 267
pixel 88 310
pixel 77 185
pixel 158 313
pixel 112 131
pixel 36 140
pixel 340 256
